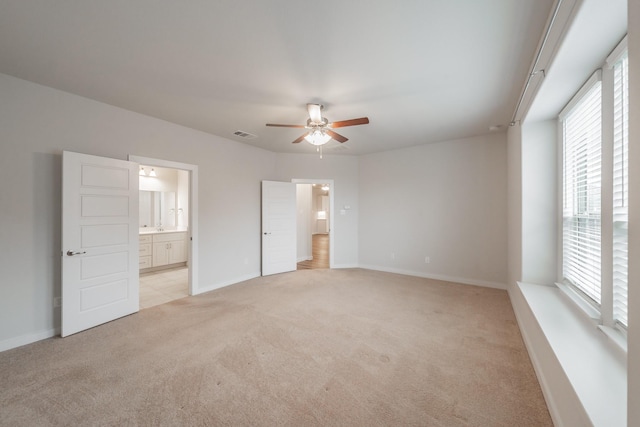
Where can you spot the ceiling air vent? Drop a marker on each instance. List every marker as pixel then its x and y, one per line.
pixel 245 135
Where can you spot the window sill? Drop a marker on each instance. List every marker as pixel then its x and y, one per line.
pixel 592 361
pixel 584 307
pixel 617 338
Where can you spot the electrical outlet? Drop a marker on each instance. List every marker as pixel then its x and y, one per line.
pixel 57 302
pixel 427 260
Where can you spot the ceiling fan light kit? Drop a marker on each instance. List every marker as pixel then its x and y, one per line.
pixel 317 137
pixel 319 127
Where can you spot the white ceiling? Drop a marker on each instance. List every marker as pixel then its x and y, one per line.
pixel 422 70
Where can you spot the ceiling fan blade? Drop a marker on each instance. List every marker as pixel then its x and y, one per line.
pixel 299 139
pixel 315 112
pixel 285 126
pixel 352 122
pixel 336 136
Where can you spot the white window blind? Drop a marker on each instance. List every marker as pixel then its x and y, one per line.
pixel 620 188
pixel 582 157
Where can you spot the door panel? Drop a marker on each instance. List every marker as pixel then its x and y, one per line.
pixel 100 295
pixel 103 206
pixel 101 235
pixel 99 241
pixel 278 227
pixel 105 177
pixel 103 265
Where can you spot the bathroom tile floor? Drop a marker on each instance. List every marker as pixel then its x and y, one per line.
pixel 163 286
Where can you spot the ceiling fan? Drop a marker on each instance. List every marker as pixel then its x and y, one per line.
pixel 320 130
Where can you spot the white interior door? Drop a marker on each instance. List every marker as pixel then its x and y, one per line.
pixel 278 227
pixel 99 240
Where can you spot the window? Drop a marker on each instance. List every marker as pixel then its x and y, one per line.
pixel 582 159
pixel 594 130
pixel 595 150
pixel 620 186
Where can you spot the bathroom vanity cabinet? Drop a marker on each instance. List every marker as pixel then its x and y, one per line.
pixel 162 249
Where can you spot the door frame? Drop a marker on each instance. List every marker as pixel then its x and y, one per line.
pixel 331 208
pixel 192 252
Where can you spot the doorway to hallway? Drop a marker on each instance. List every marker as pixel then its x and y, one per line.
pixel 314 200
pixel 320 257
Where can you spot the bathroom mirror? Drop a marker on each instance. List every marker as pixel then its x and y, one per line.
pixel 157 209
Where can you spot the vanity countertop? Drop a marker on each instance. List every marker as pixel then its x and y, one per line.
pixel 154 231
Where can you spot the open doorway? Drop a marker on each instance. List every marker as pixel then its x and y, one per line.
pixel 164 223
pixel 167 227
pixel 314 224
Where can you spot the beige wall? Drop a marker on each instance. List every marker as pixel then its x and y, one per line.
pixel 446 201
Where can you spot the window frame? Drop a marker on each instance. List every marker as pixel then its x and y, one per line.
pixel 603 313
pixel 576 100
pixel 617 56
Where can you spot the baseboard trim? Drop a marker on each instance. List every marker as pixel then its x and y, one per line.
pixel 11 343
pixel 213 287
pixel 445 278
pixel 337 266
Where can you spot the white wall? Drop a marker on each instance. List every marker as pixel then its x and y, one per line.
pixel 182 202
pixel 633 360
pixel 532 208
pixel 37 123
pixel 514 190
pixel 343 170
pixel 446 201
pixel 539 202
pixel 320 225
pixel 304 221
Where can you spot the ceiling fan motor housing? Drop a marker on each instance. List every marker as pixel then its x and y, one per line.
pixel 314 125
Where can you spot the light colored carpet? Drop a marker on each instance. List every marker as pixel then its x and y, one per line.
pixel 312 347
